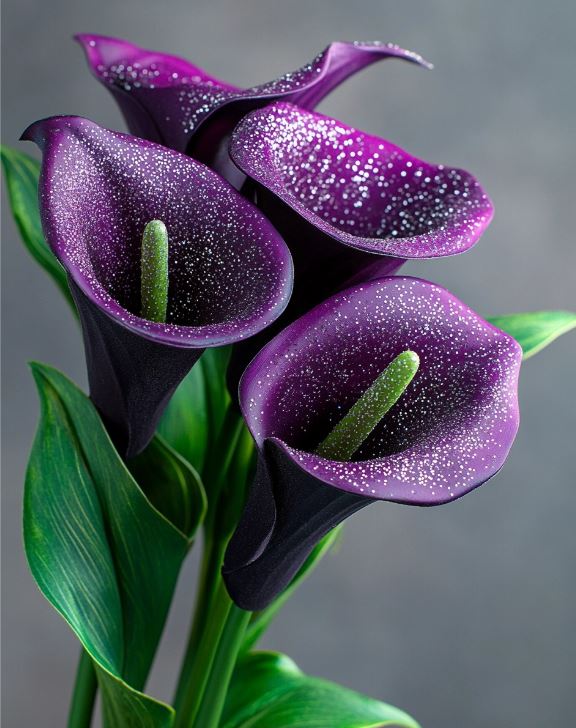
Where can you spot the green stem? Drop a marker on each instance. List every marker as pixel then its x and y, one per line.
pixel 84 694
pixel 208 570
pixel 221 458
pixel 205 687
pixel 203 639
pixel 224 661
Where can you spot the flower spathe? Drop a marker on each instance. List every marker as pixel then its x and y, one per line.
pixel 357 189
pixel 230 273
pixel 351 207
pixel 168 99
pixel 449 433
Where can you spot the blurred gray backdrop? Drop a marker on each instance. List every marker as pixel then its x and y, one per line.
pixel 463 615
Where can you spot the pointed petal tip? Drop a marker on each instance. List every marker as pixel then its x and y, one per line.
pixel 82 38
pixel 36 132
pixel 103 50
pixel 89 44
pixel 91 40
pixel 393 49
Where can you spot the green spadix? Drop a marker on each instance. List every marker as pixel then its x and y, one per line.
pixel 154 272
pixel 361 419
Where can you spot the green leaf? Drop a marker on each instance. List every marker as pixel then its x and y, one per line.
pixel 194 416
pixel 269 691
pixel 535 330
pixel 171 484
pixel 184 423
pixel 215 365
pixel 22 173
pixel 99 550
pixel 261 620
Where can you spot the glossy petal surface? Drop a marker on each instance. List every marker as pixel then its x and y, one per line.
pixel 359 189
pixel 229 271
pixel 449 432
pixel 167 99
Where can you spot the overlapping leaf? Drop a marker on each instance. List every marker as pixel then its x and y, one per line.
pixel 193 418
pixel 268 689
pixel 104 556
pixel 22 173
pixel 536 329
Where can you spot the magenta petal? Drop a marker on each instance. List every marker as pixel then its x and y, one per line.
pixel 167 99
pixel 230 272
pixel 449 433
pixel 358 189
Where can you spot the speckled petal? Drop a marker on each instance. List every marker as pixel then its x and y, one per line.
pixel 230 272
pixel 449 432
pixel 358 189
pixel 168 99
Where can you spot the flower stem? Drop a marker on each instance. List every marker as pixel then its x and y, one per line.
pixel 205 687
pixel 218 625
pixel 205 592
pixel 84 694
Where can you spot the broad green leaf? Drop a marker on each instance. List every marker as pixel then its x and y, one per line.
pixel 99 550
pixel 269 691
pixel 261 620
pixel 124 707
pixel 535 330
pixel 171 484
pixel 194 416
pixel 21 173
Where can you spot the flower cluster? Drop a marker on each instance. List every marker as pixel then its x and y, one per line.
pixel 283 230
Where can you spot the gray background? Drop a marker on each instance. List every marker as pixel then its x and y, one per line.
pixel 462 615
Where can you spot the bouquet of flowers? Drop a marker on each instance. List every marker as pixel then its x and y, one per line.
pixel 259 370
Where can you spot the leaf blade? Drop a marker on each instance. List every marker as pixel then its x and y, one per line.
pixel 268 689
pixel 102 554
pixel 535 330
pixel 193 418
pixel 22 173
pixel 185 503
pixel 184 423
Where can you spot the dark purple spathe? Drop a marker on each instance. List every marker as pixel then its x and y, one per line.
pixel 230 273
pixel 167 99
pixel 449 433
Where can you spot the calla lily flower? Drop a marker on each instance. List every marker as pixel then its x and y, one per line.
pixel 352 207
pixel 449 432
pixel 354 195
pixel 228 274
pixel 171 101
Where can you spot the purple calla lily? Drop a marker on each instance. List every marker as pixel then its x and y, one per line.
pixel 352 207
pixel 230 274
pixel 355 189
pixel 449 432
pixel 169 100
